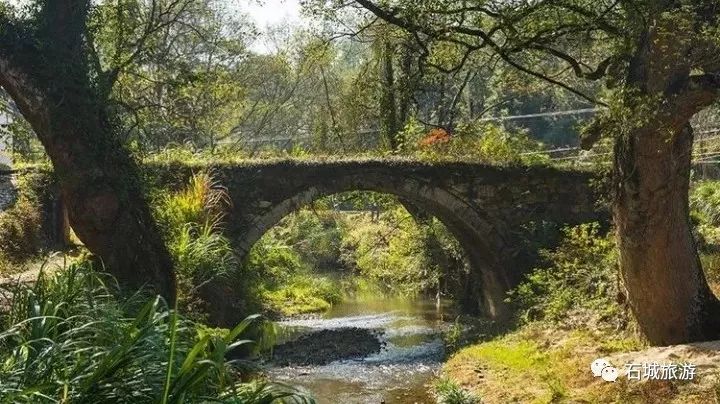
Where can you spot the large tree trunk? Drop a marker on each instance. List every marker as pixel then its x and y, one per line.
pixel 667 289
pixel 49 80
pixel 101 186
pixel 660 266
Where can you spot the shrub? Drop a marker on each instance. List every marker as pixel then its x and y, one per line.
pixel 21 224
pixel 478 141
pixel 394 251
pixel 203 201
pixel 705 216
pixel 452 337
pixel 448 392
pixel 399 253
pixel 20 230
pixel 274 262
pixel 314 236
pixel 192 220
pixel 289 259
pixel 201 253
pixel 579 282
pixel 67 338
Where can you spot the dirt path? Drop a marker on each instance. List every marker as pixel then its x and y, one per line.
pixel 49 264
pixel 8 191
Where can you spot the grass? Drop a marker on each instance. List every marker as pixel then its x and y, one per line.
pixel 303 293
pixel 448 392
pixel 472 142
pixel 211 283
pixel 67 338
pixel 542 364
pixel 569 316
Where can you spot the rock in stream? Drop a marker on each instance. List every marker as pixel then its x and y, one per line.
pixel 329 345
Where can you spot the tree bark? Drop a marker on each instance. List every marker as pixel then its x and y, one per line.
pixel 48 78
pixel 660 266
pixel 667 289
pixel 388 102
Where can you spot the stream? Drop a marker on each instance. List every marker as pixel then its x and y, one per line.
pixel 401 373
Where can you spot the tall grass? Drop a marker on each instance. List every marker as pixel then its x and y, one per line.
pixel 202 201
pixel 205 263
pixel 192 220
pixel 68 339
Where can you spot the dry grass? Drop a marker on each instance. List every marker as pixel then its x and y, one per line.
pixel 538 365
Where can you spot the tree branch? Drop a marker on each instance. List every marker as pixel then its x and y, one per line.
pixel 576 66
pixel 16 50
pixel 157 21
pixel 485 37
pixel 598 20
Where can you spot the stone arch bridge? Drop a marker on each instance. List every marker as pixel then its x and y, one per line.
pixel 491 210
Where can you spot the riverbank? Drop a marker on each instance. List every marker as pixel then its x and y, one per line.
pixel 571 311
pixel 537 364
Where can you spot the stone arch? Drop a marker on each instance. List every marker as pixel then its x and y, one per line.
pixel 480 235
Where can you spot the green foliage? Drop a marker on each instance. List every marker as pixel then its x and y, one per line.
pixel 26 148
pixel 21 224
pixel 482 142
pixel 302 262
pixel 20 232
pixel 67 338
pixel 304 293
pixel 579 282
pixel 182 85
pixel 705 202
pixel 391 252
pixel 705 215
pixel 187 154
pixel 289 262
pixel 192 220
pixel 405 257
pixel 201 202
pixel 274 262
pixel 452 338
pixel 201 253
pixel 315 235
pixel 448 392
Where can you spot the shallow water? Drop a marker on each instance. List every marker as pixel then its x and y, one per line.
pixel 402 373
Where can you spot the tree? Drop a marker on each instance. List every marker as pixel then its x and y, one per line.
pixel 658 62
pixel 396 84
pixel 53 71
pixel 189 86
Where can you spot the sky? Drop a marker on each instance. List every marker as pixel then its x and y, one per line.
pixel 271 12
pixel 264 13
pixel 268 13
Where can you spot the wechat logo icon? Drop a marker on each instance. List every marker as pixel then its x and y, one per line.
pixel 604 369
